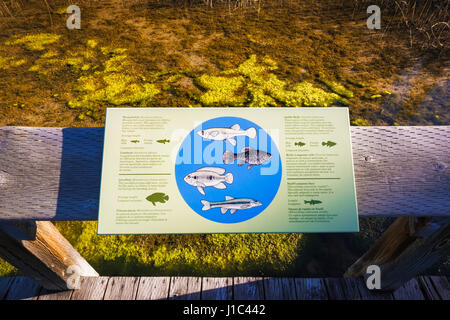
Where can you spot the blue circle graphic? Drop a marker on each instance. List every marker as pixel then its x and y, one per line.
pixel 249 191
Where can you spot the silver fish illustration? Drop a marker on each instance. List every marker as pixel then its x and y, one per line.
pixel 248 155
pixel 209 177
pixel 232 204
pixel 227 133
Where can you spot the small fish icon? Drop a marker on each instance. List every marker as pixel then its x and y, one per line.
pixel 300 144
pixel 328 144
pixel 227 134
pixel 157 197
pixel 209 177
pixel 313 202
pixel 231 204
pixel 247 155
pixel 164 141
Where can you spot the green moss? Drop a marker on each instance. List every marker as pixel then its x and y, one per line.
pixel 212 254
pixel 336 87
pixel 9 62
pixel 35 42
pixel 49 54
pixel 361 122
pixel 113 86
pixel 263 87
pixel 6 269
pixel 92 43
pixel 221 90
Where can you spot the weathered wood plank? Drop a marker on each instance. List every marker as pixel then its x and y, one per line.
pixel 367 294
pixel 121 288
pixel 310 289
pixel 428 288
pixel 54 173
pixel 442 286
pixel 279 289
pixel 334 288
pixel 248 288
pixel 185 288
pixel 350 287
pixel 217 289
pixel 5 283
pixel 153 288
pixel 405 249
pixel 46 294
pixel 409 291
pixel 42 254
pixel 91 288
pixel 23 288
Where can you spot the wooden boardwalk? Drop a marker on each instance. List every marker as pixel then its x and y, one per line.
pixel 237 288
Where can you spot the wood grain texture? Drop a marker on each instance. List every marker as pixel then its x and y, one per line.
pixel 409 291
pixel 46 258
pixel 23 288
pixel 153 288
pixel 46 294
pixel 404 250
pixel 367 294
pixel 5 283
pixel 91 288
pixel 334 288
pixel 430 292
pixel 54 173
pixel 442 286
pixel 310 289
pixel 185 288
pixel 279 289
pixel 217 289
pixel 248 288
pixel 121 288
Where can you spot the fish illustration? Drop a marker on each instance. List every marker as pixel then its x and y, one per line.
pixel 248 154
pixel 209 177
pixel 227 133
pixel 300 144
pixel 313 202
pixel 157 197
pixel 134 141
pixel 231 203
pixel 329 143
pixel 164 141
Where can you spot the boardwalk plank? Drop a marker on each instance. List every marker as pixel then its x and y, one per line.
pixel 121 288
pixel 248 288
pixel 350 287
pixel 367 294
pixel 310 289
pixel 428 288
pixel 49 166
pixel 23 288
pixel 217 289
pixel 91 288
pixel 279 289
pixel 409 291
pixel 185 288
pixel 334 288
pixel 442 285
pixel 46 294
pixel 153 288
pixel 5 283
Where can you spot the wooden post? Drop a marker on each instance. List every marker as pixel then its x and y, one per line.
pixel 41 252
pixel 408 247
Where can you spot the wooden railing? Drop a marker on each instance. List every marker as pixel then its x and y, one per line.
pixel 53 174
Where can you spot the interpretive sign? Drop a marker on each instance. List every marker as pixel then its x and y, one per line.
pixel 227 170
